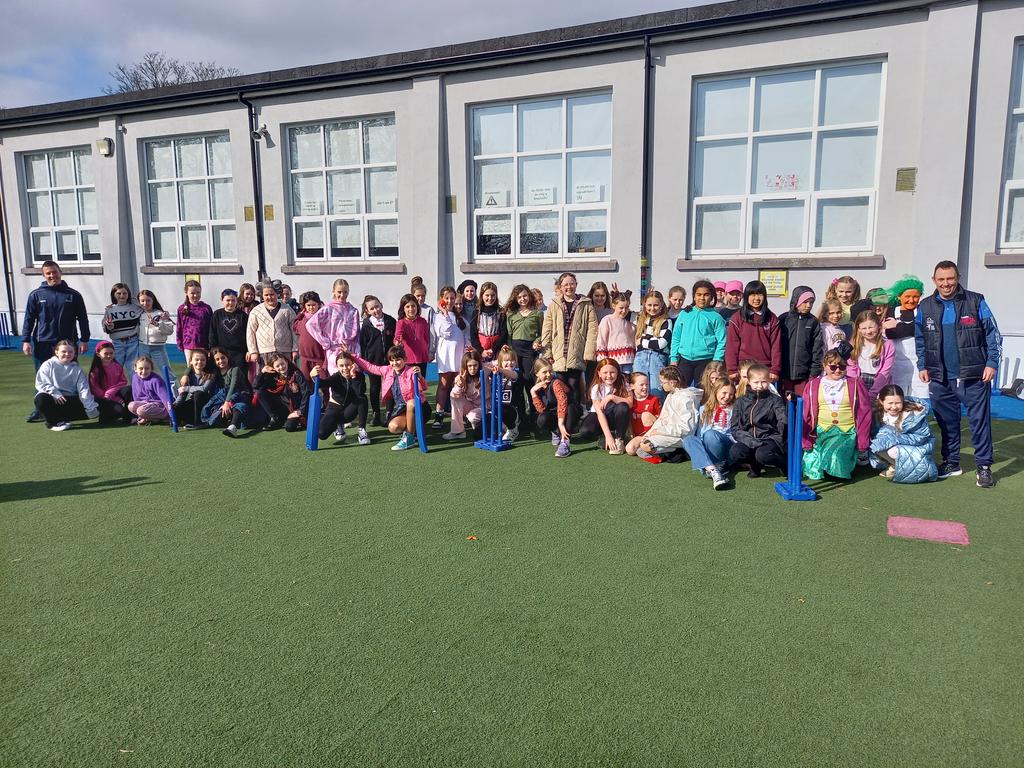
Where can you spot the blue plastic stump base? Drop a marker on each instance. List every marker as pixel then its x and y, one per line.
pixel 801 493
pixel 493 445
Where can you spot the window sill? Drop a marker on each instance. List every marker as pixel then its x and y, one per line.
pixel 69 269
pixel 337 268
pixel 555 266
pixel 192 269
pixel 782 261
pixel 1005 259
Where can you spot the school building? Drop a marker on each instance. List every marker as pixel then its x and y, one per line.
pixel 808 138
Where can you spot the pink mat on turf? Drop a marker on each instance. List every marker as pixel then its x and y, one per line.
pixel 929 530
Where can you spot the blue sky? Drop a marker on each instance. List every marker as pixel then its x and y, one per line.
pixel 55 51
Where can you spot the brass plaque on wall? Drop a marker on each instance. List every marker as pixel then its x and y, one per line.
pixel 268 213
pixel 250 213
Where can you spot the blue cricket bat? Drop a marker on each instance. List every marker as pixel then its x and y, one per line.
pixel 313 417
pixel 421 436
pixel 170 398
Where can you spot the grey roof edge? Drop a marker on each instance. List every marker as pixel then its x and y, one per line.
pixel 424 59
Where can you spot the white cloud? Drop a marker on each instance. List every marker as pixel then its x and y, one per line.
pixel 56 50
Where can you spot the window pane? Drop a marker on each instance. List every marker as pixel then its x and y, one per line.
pixel 379 140
pixel 842 222
pixel 850 94
pixel 42 246
pixel 39 212
pixel 1017 148
pixel 343 144
pixel 782 164
pixel 1015 217
pixel 191 157
pixel 67 246
pixel 192 197
pixel 540 180
pixel 540 126
pixel 218 148
pixel 588 231
pixel 224 243
pixel 165 244
pixel 87 205
pixel 590 177
pixel 846 160
pixel 36 175
pixel 382 190
pixel 309 240
pixel 492 130
pixel 778 224
pixel 159 160
pixel 784 101
pixel 538 232
pixel 65 208
pixel 345 192
pixel 306 147
pixel 718 226
pixel 590 120
pixel 383 237
pixel 222 199
pixel 346 239
pixel 163 205
pixel 493 183
pixel 193 244
pixel 83 166
pixel 722 107
pixel 62 169
pixel 308 194
pixel 721 168
pixel 90 245
pixel 494 234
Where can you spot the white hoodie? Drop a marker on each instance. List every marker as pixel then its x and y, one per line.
pixel 68 379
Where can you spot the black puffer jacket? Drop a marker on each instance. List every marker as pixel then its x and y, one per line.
pixel 759 418
pixel 802 343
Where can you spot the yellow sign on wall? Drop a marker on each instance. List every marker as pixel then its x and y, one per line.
pixel 774 280
pixel 192 277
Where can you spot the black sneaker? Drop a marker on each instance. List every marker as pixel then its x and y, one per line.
pixel 985 479
pixel 34 417
pixel 753 474
pixel 438 421
pixel 949 469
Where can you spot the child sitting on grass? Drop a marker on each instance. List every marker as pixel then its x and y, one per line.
pixel 904 443
pixel 62 389
pixel 229 404
pixel 677 419
pixel 109 385
pixel 709 446
pixel 283 393
pixel 759 424
pixel 837 421
pixel 194 391
pixel 151 402
pixel 465 397
pixel 646 406
pixel 611 403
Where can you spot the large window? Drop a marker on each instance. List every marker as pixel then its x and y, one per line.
pixel 1013 192
pixel 344 182
pixel 542 177
pixel 191 199
pixel 786 161
pixel 61 197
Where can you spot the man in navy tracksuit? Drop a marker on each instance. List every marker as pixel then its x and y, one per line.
pixel 958 351
pixel 51 314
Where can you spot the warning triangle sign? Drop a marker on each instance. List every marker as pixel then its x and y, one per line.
pixel 491 201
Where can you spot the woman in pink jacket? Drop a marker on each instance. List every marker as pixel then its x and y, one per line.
pixel 397 394
pixel 335 326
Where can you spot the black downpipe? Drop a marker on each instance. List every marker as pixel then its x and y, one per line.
pixel 8 273
pixel 645 175
pixel 257 186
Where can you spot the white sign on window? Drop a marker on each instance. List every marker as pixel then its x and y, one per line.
pixel 385 204
pixel 346 205
pixel 496 199
pixel 311 208
pixel 588 193
pixel 542 196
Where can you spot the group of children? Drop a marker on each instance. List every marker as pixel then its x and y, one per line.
pixel 707 380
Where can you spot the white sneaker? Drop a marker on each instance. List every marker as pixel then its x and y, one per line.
pixel 61 427
pixel 364 439
pixel 718 479
pixel 339 435
pixel 510 434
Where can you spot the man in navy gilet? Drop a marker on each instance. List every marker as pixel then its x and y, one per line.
pixel 958 350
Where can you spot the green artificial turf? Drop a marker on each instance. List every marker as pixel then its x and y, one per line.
pixel 188 600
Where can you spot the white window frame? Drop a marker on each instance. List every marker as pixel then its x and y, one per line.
pixel 326 219
pixel 54 230
pixel 563 209
pixel 811 196
pixel 177 225
pixel 1011 185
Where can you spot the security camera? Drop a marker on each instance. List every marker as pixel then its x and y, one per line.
pixel 261 134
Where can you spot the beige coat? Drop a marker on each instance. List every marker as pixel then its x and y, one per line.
pixel 582 335
pixel 271 334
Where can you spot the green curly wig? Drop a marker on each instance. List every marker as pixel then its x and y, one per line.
pixel 905 283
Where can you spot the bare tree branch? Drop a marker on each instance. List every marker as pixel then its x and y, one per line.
pixel 156 69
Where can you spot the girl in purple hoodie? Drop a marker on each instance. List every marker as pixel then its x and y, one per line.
pixel 150 399
pixel 194 317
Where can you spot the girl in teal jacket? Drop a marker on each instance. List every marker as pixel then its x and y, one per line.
pixel 698 336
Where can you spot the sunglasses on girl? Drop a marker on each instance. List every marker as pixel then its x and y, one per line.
pixel 833 367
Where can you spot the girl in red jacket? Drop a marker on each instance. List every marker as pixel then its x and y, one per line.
pixel 753 334
pixel 837 421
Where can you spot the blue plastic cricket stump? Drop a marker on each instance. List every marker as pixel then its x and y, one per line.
pixel 313 417
pixel 490 421
pixel 794 489
pixel 170 399
pixel 421 434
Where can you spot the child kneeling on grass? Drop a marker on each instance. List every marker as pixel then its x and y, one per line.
pixel 904 443
pixel 837 421
pixel 677 419
pixel 397 391
pixel 346 402
pixel 62 390
pixel 283 392
pixel 557 409
pixel 759 424
pixel 709 446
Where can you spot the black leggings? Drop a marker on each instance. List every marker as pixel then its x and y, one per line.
pixel 520 387
pixel 692 371
pixel 548 420
pixel 767 455
pixel 278 411
pixel 112 411
pixel 335 415
pixel 374 393
pixel 618 421
pixel 54 413
pixel 188 411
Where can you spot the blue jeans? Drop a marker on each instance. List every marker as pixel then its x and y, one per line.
pixel 976 395
pixel 125 351
pixel 158 353
pixel 707 448
pixel 650 362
